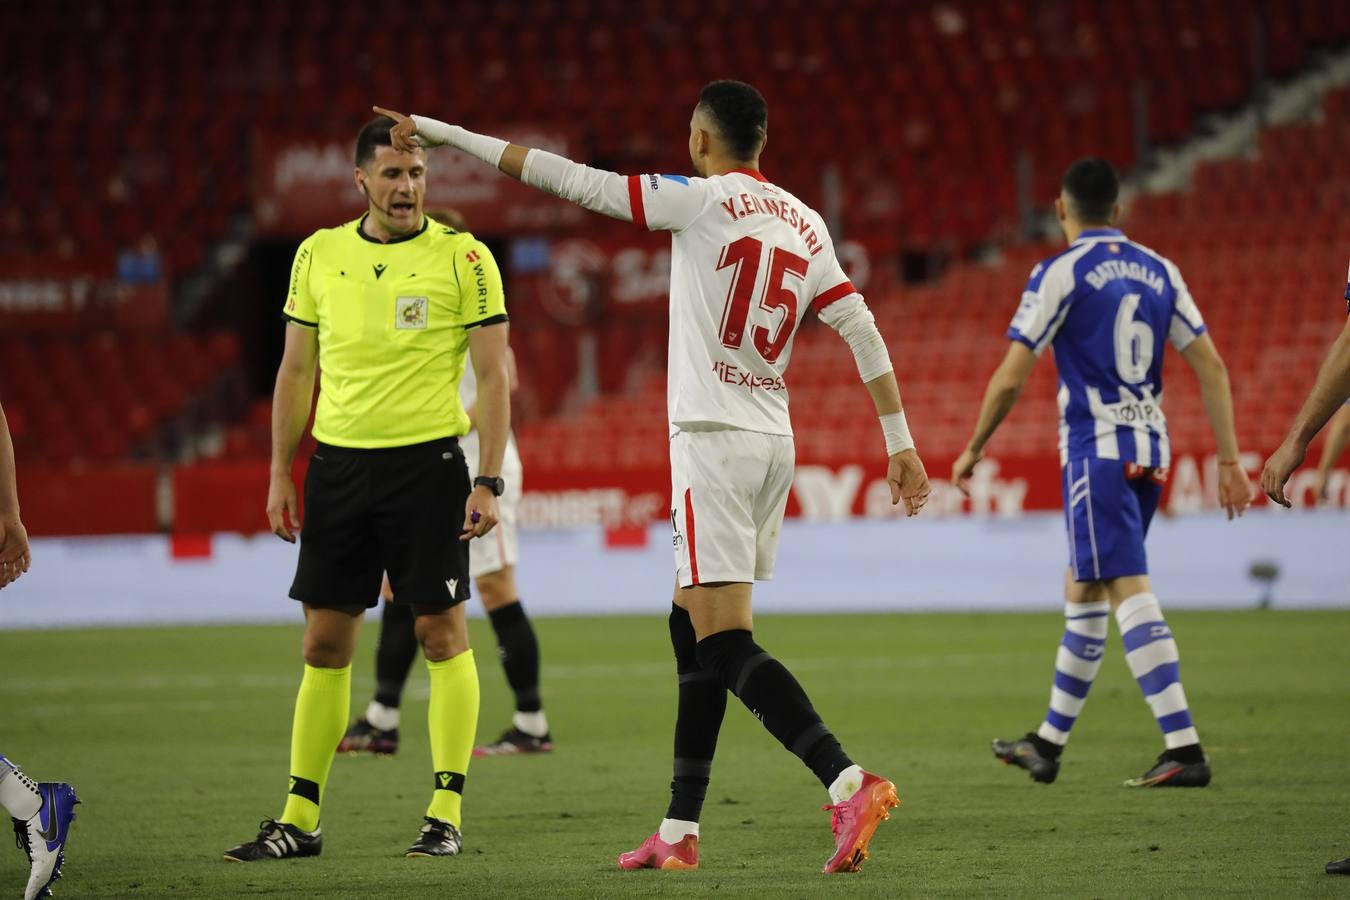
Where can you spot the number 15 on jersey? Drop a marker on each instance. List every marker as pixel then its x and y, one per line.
pixel 744 257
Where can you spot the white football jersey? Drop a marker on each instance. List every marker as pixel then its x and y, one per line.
pixel 747 261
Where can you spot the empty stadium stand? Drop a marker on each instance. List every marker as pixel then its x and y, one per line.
pixel 143 111
pixel 107 396
pixel 1260 241
pixel 134 119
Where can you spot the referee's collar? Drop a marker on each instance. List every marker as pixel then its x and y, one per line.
pixel 360 229
pixel 1096 234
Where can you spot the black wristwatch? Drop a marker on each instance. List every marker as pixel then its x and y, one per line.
pixel 494 483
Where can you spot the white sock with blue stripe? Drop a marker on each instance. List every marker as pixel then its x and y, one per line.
pixel 1076 665
pixel 1156 665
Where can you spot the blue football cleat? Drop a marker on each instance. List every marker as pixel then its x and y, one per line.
pixel 43 837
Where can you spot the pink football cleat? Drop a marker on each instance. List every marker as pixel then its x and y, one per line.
pixel 856 819
pixel 657 854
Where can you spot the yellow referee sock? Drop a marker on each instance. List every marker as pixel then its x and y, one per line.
pixel 321 709
pixel 452 719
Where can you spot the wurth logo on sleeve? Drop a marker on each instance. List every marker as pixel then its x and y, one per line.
pixel 481 283
pixel 299 269
pixel 472 256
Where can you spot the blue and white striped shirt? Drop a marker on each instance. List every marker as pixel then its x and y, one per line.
pixel 1106 304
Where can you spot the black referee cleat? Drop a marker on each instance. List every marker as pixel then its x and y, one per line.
pixel 277 840
pixel 437 838
pixel 514 742
pixel 1171 772
pixel 1339 866
pixel 1024 753
pixel 363 737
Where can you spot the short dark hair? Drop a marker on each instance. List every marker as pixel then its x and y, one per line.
pixel 374 133
pixel 451 218
pixel 741 115
pixel 1093 186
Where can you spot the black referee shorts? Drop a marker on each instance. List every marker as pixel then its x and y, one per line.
pixel 397 510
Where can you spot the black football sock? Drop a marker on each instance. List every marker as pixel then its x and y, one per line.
pixel 1187 755
pixel 1048 749
pixel 703 703
pixel 394 654
pixel 519 652
pixel 769 691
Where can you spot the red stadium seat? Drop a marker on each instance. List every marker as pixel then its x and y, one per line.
pixel 931 106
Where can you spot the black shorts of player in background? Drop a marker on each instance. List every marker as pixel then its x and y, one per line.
pixel 392 510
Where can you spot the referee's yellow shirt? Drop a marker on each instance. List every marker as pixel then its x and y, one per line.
pixel 393 322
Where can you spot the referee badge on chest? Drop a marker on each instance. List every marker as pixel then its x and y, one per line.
pixel 410 312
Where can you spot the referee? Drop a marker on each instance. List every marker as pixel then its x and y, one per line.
pixel 389 306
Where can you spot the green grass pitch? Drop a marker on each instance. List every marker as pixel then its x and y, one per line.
pixel 177 740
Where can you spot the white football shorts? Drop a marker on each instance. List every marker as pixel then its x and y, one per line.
pixel 729 489
pixel 500 547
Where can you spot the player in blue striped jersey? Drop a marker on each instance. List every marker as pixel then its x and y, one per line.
pixel 1106 305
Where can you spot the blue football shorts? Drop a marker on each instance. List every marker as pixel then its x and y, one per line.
pixel 1108 506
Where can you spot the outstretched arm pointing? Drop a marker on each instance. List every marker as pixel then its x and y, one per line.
pixel 595 189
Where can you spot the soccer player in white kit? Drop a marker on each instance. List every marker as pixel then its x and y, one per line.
pixel 748 259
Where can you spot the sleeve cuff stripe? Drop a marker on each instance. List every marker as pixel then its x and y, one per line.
pixel 490 320
pixel 290 318
pixel 635 201
pixel 838 292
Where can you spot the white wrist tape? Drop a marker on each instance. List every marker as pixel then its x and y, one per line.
pixel 434 133
pixel 896 430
